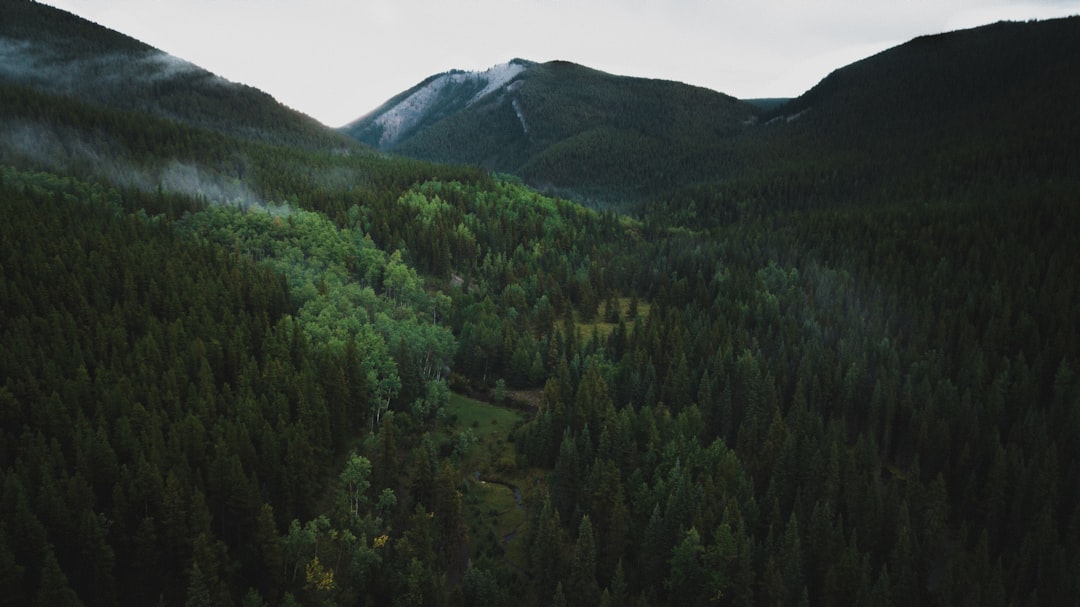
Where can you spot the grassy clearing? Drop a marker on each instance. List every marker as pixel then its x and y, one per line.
pixel 488 428
pixel 495 520
pixel 585 329
pixel 484 418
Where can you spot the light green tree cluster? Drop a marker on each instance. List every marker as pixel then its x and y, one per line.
pixel 345 291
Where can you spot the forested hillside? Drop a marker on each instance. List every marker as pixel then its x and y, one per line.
pixel 57 52
pixel 948 116
pixel 268 371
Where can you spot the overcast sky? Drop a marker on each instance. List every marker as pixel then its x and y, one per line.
pixel 336 60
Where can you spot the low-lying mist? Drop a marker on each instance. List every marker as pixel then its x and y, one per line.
pixel 101 77
pixel 67 150
pixel 144 80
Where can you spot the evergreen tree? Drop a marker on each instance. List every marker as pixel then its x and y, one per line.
pixel 582 587
pixel 198 593
pixel 687 580
pixel 53 588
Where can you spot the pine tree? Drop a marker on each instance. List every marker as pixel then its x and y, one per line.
pixel 792 559
pixel 198 593
pixel 12 590
pixel 687 582
pixel 582 586
pixel 618 586
pixel 559 598
pixel 566 479
pixel 654 551
pixel 267 557
pixel 545 554
pixel 53 588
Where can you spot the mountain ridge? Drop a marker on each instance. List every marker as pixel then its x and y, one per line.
pixel 107 68
pixel 603 139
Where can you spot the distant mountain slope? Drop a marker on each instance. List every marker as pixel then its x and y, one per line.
pixel 957 77
pixel 979 92
pixel 430 101
pixel 560 126
pixel 58 53
pixel 939 114
pixel 940 117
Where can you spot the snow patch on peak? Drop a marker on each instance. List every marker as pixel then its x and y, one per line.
pixel 399 118
pixel 496 77
pixel 411 110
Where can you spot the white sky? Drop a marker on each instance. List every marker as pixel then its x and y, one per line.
pixel 336 60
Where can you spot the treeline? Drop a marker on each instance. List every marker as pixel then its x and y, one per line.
pixel 72 36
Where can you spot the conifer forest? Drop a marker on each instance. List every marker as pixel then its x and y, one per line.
pixel 829 360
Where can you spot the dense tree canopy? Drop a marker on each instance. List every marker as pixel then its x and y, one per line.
pixel 778 390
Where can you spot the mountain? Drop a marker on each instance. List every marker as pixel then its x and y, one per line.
pixel 78 98
pixel 57 53
pixel 944 103
pixel 956 114
pixel 562 127
pixel 955 80
pixel 980 87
